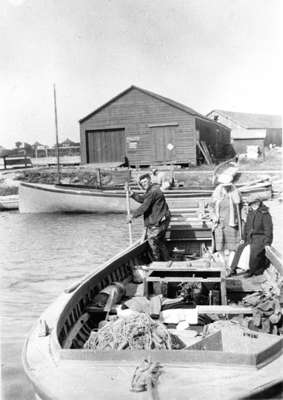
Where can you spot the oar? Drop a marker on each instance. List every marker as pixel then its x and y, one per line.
pixel 128 212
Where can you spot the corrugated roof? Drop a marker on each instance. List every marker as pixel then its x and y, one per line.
pixel 156 96
pixel 247 120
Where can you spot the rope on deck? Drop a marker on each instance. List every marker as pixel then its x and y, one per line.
pixel 135 332
pixel 145 378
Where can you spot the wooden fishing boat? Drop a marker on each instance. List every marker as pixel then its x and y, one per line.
pixel 42 198
pixel 10 202
pixel 230 364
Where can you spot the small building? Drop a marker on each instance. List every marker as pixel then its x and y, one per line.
pixel 69 148
pixel 147 129
pixel 40 150
pixel 250 129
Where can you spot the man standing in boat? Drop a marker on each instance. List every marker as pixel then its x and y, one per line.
pixel 155 211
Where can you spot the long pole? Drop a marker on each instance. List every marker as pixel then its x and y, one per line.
pixel 56 131
pixel 128 212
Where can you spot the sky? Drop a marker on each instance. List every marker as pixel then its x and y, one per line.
pixel 221 54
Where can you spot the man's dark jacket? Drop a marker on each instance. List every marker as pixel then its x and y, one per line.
pixel 154 207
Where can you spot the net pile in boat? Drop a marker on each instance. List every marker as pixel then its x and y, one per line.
pixel 135 332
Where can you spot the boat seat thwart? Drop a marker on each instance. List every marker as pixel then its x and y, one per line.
pixel 188 271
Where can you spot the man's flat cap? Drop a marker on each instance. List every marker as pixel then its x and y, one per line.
pixel 143 176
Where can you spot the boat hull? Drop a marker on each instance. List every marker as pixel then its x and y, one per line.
pixel 40 198
pixel 58 371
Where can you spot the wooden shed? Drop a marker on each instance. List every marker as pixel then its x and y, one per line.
pixel 148 129
pixel 250 129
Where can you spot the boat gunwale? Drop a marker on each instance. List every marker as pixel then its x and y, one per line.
pixel 87 281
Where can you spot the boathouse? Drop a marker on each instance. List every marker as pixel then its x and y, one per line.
pixel 250 129
pixel 147 129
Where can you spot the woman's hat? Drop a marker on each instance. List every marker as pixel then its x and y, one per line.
pixel 225 179
pixel 228 175
pixel 254 198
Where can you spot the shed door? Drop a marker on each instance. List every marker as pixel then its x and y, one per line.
pixel 162 136
pixel 105 145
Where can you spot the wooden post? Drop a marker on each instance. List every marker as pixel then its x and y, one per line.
pixel 98 178
pixel 128 212
pixel 172 180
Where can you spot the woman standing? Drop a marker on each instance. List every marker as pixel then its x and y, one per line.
pixel 258 233
pixel 227 230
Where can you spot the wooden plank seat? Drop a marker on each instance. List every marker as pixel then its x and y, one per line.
pixel 185 271
pixel 188 232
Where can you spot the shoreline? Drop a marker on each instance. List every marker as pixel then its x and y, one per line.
pixel 89 176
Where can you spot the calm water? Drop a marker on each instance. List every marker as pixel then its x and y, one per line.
pixel 41 255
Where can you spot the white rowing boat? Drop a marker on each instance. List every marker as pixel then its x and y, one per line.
pixel 43 198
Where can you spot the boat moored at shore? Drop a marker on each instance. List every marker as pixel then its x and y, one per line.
pixel 230 363
pixel 43 198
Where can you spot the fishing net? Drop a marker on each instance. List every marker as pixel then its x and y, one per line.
pixel 135 332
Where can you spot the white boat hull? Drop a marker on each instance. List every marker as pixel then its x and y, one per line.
pixel 41 198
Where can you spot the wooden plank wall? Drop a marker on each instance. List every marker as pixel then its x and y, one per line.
pixel 137 112
pixel 216 137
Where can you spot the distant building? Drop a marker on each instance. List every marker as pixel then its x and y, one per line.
pixel 40 150
pixel 69 143
pixel 147 128
pixel 69 148
pixel 250 129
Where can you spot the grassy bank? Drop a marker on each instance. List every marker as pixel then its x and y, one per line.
pixel 189 177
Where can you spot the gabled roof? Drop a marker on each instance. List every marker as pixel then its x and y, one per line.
pixel 255 121
pixel 170 102
pixel 68 142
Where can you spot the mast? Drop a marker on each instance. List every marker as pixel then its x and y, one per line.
pixel 56 131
